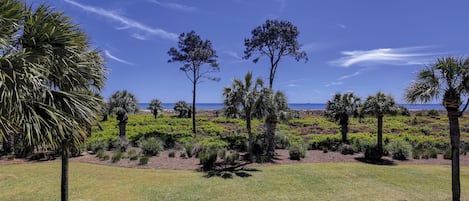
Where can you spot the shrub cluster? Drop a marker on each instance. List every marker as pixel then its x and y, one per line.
pixel 151 146
pixel 400 150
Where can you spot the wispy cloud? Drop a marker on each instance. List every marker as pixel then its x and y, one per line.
pixel 174 6
pixel 393 56
pixel 334 84
pixel 350 75
pixel 342 26
pixel 127 22
pixel 233 54
pixel 110 56
pixel 139 36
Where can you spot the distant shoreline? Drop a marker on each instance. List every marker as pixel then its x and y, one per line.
pixel 294 106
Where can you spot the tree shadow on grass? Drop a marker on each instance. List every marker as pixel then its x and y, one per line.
pixel 375 161
pixel 238 170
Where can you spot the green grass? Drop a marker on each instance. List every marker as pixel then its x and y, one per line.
pixel 327 181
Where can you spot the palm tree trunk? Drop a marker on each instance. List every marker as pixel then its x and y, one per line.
pixel 454 133
pixel 64 181
pixel 251 138
pixel 194 129
pixel 344 129
pixel 155 113
pixel 122 132
pixel 380 133
pixel 271 123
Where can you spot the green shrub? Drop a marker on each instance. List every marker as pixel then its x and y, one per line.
pixel 329 142
pixel 210 147
pixel 116 156
pixel 143 160
pixel 433 113
pixel 95 145
pixel 400 150
pixel 297 151
pixel 281 140
pixel 346 149
pixel 447 154
pixel 208 158
pixel 151 146
pixel 188 145
pixel 231 158
pixel 101 154
pixel 132 155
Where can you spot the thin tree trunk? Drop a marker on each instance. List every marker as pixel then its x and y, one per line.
pixel 122 132
pixel 251 138
pixel 271 123
pixel 194 129
pixel 155 113
pixel 380 133
pixel 454 133
pixel 64 181
pixel 344 129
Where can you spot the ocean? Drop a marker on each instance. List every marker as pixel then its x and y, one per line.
pixel 297 106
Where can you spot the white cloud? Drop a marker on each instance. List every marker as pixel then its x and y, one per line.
pixel 394 56
pixel 109 55
pixel 127 22
pixel 139 37
pixel 334 84
pixel 342 26
pixel 233 54
pixel 350 75
pixel 292 85
pixel 174 6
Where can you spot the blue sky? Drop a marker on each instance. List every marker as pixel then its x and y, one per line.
pixel 361 46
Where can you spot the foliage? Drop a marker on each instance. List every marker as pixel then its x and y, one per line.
pixel 155 107
pixel 297 150
pixel 340 108
pixel 151 146
pixel 143 160
pixel 346 149
pixel 274 39
pixel 121 103
pixel 193 52
pixel 210 149
pixel 101 154
pixel 433 113
pixel 116 156
pixel 400 150
pixel 183 109
pixel 373 153
pixel 132 155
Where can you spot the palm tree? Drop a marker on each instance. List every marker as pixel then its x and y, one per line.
pixel 447 78
pixel 379 105
pixel 340 108
pixel 230 103
pixel 49 79
pixel 74 74
pixel 247 95
pixel 121 103
pixel 183 109
pixel 155 106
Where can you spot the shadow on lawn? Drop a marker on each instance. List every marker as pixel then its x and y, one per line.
pixel 229 172
pixel 375 162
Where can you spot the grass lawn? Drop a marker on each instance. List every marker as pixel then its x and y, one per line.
pixel 323 181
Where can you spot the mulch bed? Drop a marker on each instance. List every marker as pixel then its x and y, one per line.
pixel 312 156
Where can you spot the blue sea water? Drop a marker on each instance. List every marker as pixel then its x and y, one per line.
pixel 297 106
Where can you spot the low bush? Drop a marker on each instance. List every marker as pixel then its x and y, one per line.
pixel 116 156
pixel 231 158
pixel 433 113
pixel 400 150
pixel 210 147
pixel 297 151
pixel 447 154
pixel 151 146
pixel 346 149
pixel 143 160
pixel 132 155
pixel 101 154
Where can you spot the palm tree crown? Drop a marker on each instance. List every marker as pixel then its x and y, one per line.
pixel 340 108
pixel 155 106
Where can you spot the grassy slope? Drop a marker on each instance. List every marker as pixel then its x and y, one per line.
pixel 328 181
